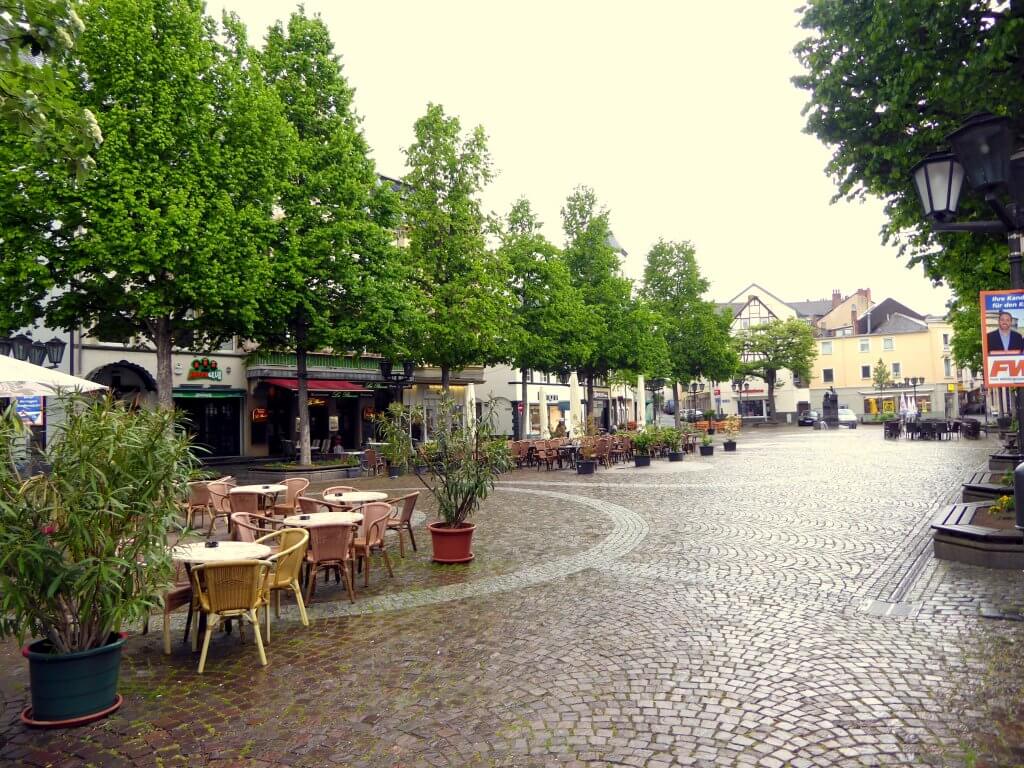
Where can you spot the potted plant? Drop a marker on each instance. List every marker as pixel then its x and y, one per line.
pixel 586 464
pixel 394 426
pixel 73 543
pixel 731 427
pixel 706 448
pixel 673 439
pixel 709 416
pixel 642 442
pixel 463 462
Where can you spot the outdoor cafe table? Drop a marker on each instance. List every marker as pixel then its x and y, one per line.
pixel 356 497
pixel 273 489
pixel 324 518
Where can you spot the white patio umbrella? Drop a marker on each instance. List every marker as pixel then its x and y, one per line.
pixel 903 405
pixel 21 379
pixel 575 414
pixel 543 405
pixel 641 400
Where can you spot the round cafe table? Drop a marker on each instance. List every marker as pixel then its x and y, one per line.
pixel 272 488
pixel 324 518
pixel 356 497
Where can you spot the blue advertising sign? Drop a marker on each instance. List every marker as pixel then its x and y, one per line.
pixel 30 410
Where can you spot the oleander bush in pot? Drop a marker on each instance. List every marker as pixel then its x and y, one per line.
pixel 463 462
pixel 83 548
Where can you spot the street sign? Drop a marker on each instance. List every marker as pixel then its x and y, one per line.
pixel 718 392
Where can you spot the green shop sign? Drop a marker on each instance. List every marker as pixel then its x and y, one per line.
pixel 205 368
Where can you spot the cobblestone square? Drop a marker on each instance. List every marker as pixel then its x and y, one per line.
pixel 779 606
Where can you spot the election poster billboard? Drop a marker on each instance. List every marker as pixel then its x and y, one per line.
pixel 1002 342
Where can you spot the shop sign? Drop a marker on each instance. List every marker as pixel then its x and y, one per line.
pixel 260 415
pixel 552 398
pixel 316 401
pixel 368 413
pixel 205 368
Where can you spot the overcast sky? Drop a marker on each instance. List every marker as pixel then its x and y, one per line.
pixel 680 115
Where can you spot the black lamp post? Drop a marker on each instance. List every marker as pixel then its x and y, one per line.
pixel 654 386
pixel 984 154
pixel 739 386
pixel 35 352
pixel 55 351
pixel 913 382
pixel 695 387
pixel 21 345
pixel 398 379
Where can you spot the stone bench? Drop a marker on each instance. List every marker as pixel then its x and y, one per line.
pixel 955 537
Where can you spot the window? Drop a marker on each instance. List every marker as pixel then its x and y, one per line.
pixel 945 342
pixel 744 322
pixel 826 375
pixel 889 344
pixel 948 365
pixel 896 371
pixel 529 375
pixel 865 345
pixel 826 347
pixel 865 371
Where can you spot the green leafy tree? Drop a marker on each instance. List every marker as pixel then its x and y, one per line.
pixel 775 346
pixel 880 378
pixel 596 271
pixel 335 273
pixel 698 336
pixel 166 241
pixel 887 83
pixel 467 309
pixel 553 322
pixel 37 39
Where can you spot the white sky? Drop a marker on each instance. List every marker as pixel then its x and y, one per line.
pixel 680 114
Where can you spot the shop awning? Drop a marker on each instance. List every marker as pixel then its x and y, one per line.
pixel 319 385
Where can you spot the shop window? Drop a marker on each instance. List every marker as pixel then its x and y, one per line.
pixel 826 375
pixel 888 344
pixel 865 371
pixel 865 345
pixel 826 347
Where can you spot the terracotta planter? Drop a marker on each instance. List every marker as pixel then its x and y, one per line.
pixel 452 545
pixel 72 688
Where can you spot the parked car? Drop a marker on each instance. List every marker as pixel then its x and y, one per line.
pixel 669 407
pixel 808 418
pixel 847 418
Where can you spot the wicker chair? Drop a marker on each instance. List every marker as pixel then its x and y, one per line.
pixel 330 546
pixel 401 519
pixel 372 462
pixel 310 506
pixel 228 590
pixel 220 504
pixel 371 536
pixel 292 544
pixel 199 501
pixel 178 596
pixel 296 487
pixel 248 527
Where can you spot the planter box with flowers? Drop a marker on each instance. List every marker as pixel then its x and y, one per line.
pixel 73 543
pixel 731 427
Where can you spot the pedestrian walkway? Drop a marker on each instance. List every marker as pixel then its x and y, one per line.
pixel 774 607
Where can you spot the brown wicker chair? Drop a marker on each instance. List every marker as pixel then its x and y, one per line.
pixel 296 487
pixel 178 596
pixel 401 519
pixel 248 527
pixel 220 504
pixel 228 590
pixel 330 547
pixel 371 536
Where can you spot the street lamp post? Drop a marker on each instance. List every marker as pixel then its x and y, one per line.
pixel 913 382
pixel 983 152
pixel 398 379
pixel 695 387
pixel 654 386
pixel 35 352
pixel 739 386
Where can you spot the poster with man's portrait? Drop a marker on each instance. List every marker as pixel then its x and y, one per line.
pixel 1002 342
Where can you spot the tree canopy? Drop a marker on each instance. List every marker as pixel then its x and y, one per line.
pixel 166 239
pixel 467 308
pixel 887 83
pixel 775 346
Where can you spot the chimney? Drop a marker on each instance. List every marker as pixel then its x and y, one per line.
pixel 853 317
pixel 837 298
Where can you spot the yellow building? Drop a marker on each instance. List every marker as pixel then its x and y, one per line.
pixel 910 345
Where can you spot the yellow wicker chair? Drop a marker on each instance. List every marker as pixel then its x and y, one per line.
pixel 228 590
pixel 288 563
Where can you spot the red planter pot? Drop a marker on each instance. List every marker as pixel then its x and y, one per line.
pixel 452 545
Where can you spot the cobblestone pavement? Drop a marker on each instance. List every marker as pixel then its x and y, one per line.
pixel 774 607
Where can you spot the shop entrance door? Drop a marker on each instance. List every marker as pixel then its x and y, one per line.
pixel 213 423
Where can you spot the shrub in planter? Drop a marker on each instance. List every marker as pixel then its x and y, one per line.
pixel 72 543
pixel 642 442
pixel 731 428
pixel 394 426
pixel 463 462
pixel 706 448
pixel 709 416
pixel 672 438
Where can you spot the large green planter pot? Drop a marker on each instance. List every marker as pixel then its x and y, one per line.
pixel 73 688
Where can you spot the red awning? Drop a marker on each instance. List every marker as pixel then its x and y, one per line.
pixel 319 385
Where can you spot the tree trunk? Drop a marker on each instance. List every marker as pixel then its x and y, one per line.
pixel 524 417
pixel 446 376
pixel 305 454
pixel 770 381
pixel 679 411
pixel 590 400
pixel 164 384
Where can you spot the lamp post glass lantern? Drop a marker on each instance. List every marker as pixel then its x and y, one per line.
pixel 21 345
pixel 984 146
